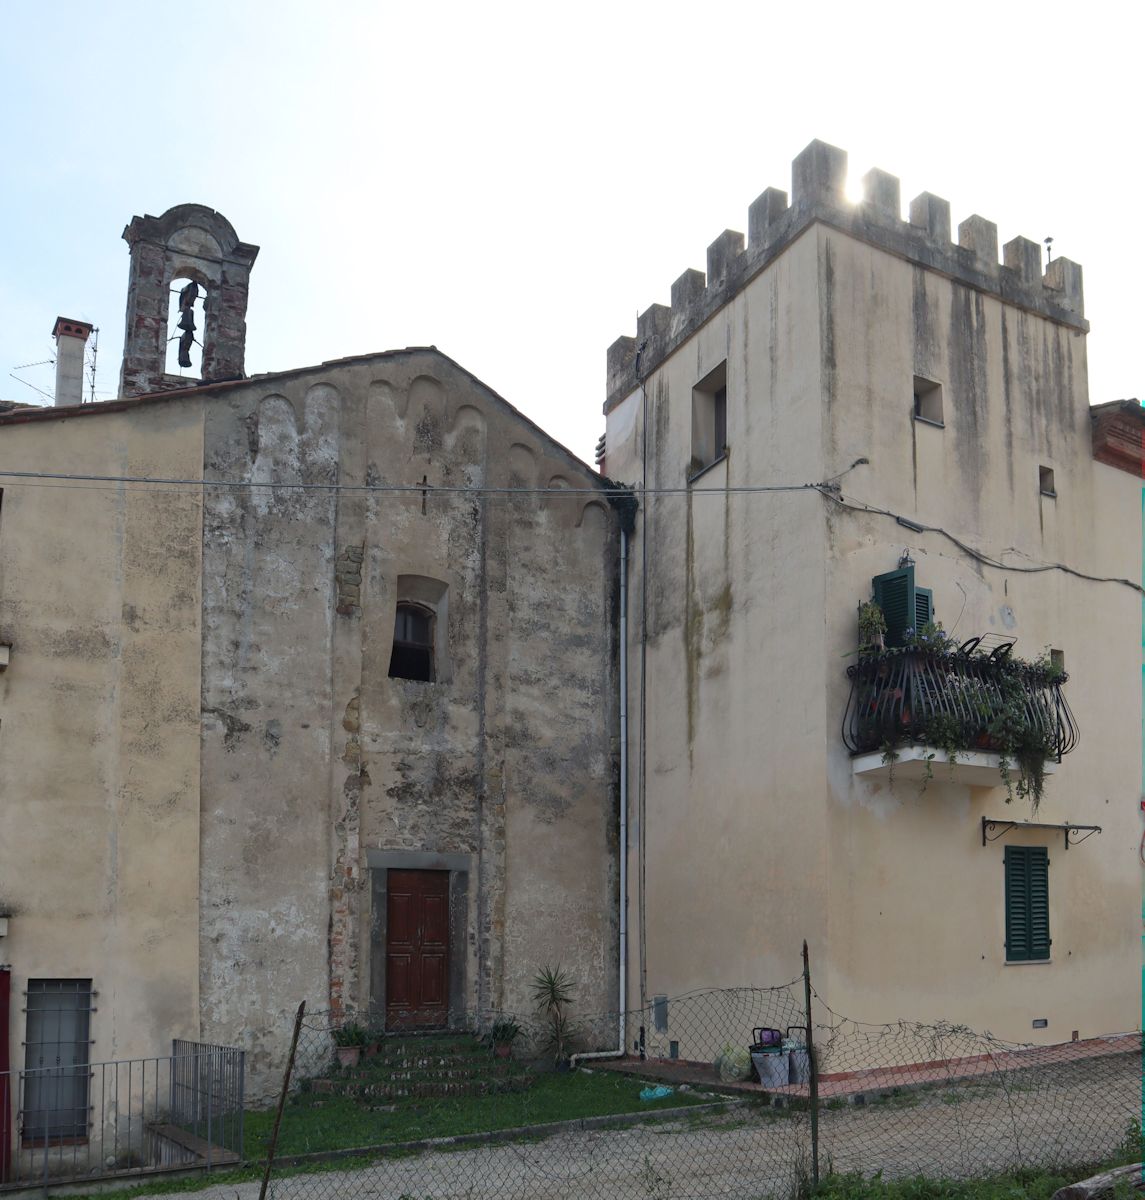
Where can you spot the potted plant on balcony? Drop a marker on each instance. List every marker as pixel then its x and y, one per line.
pixel 872 628
pixel 349 1042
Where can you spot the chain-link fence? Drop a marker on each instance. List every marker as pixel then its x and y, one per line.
pixel 722 1093
pixel 717 1096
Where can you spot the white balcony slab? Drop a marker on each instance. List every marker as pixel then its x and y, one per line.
pixel 974 768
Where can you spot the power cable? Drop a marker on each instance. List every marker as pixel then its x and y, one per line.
pixel 855 505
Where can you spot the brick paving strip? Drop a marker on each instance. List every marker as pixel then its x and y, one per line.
pixel 875 1081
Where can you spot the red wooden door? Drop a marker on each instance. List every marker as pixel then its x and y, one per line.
pixel 417 949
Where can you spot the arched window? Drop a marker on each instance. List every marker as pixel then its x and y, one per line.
pixel 412 656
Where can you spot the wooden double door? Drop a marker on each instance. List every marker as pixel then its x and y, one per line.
pixel 417 949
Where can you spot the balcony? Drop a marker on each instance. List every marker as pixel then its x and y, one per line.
pixel 987 719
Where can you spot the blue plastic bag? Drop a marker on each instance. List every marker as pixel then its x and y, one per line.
pixel 655 1093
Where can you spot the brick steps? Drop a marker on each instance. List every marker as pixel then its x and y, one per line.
pixel 427 1067
pixel 397 1090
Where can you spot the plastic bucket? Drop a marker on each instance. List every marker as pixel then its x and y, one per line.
pixel 773 1069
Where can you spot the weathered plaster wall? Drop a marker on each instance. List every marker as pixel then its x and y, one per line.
pixel 99 720
pixel 735 835
pixel 756 834
pixel 314 759
pixel 916 900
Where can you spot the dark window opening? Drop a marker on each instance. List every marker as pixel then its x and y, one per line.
pixel 720 413
pixel 412 656
pixel 709 420
pixel 1046 481
pixel 928 400
pixel 56 1062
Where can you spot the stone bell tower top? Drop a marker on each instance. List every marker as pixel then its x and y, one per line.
pixel 193 243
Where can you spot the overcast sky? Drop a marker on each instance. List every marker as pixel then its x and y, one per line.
pixel 514 183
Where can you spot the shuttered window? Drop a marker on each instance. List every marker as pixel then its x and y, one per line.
pixel 1027 903
pixel 904 605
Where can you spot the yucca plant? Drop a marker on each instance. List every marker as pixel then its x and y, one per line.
pixel 553 991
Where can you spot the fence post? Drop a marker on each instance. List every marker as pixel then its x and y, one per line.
pixel 281 1103
pixel 242 1100
pixel 813 1076
pixel 211 1057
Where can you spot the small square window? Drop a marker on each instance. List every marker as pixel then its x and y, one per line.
pixel 1046 481
pixel 709 420
pixel 928 400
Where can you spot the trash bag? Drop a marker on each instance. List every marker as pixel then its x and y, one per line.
pixel 655 1093
pixel 733 1064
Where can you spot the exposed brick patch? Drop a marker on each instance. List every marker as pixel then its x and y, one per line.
pixel 348 580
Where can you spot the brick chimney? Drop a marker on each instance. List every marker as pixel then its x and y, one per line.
pixel 71 340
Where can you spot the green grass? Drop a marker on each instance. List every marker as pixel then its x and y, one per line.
pixel 313 1121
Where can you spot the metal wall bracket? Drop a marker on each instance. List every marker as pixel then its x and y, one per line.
pixel 993 829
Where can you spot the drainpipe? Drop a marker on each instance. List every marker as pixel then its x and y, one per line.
pixel 622 950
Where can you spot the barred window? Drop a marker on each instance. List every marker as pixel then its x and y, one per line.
pixel 56 1055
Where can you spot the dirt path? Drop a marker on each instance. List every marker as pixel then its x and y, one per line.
pixel 748 1154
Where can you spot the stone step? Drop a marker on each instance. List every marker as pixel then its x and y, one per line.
pixel 443 1071
pixel 385 1089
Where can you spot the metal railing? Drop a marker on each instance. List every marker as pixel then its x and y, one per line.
pixel 923 695
pixel 131 1116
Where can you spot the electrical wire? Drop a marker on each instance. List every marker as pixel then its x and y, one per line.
pixel 614 490
pixel 853 504
pixel 828 489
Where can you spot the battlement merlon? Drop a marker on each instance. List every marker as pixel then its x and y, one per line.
pixel 818 179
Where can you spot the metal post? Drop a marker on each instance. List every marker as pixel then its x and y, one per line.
pixel 241 1101
pixel 813 1076
pixel 210 1089
pixel 281 1103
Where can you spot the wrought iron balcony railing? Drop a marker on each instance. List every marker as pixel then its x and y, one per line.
pixel 925 695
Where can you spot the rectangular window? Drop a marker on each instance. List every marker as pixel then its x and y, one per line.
pixel 1046 481
pixel 56 1059
pixel 709 420
pixel 1027 903
pixel 928 400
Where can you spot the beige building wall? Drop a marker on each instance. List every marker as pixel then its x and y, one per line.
pixel 99 722
pixel 916 899
pixel 756 834
pixel 735 831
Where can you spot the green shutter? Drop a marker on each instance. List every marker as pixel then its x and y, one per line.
pixel 895 595
pixel 904 605
pixel 1027 903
